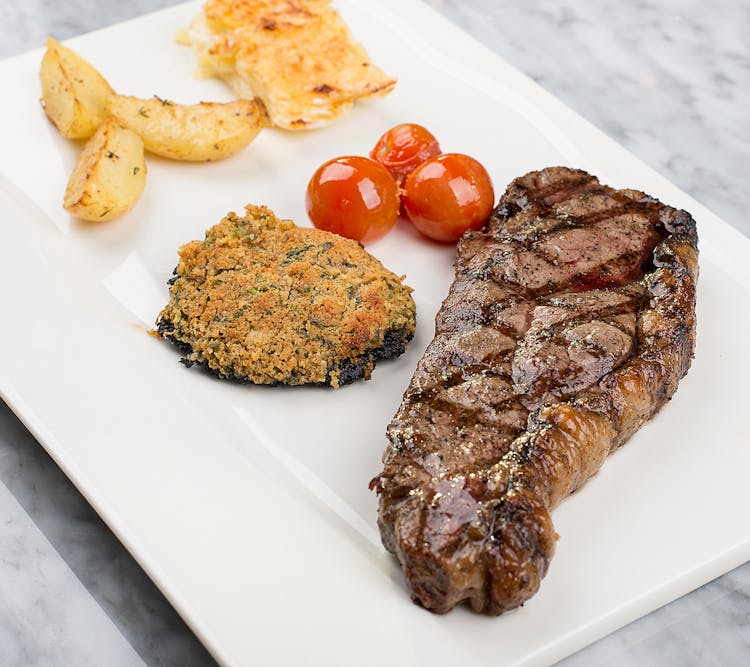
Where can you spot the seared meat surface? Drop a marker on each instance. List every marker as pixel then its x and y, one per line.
pixel 569 324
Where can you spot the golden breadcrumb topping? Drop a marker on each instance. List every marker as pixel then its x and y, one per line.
pixel 264 301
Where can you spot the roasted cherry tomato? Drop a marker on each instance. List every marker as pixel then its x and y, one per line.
pixel 353 196
pixel 448 194
pixel 403 148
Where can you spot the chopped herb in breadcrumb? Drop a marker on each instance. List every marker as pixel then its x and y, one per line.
pixel 260 300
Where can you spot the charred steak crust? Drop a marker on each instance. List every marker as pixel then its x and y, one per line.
pixel 570 321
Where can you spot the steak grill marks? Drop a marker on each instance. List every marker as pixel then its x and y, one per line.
pixel 569 323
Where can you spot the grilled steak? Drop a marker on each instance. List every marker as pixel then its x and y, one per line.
pixel 569 324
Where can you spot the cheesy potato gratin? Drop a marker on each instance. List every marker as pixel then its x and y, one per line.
pixel 297 56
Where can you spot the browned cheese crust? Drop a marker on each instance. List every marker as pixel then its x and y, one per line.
pixel 298 56
pixel 569 324
pixel 260 300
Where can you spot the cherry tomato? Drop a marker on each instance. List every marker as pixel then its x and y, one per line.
pixel 448 194
pixel 353 196
pixel 403 148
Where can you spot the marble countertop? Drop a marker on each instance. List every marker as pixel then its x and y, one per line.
pixel 669 79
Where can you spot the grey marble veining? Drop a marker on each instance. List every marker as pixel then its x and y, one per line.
pixel 46 614
pixel 669 79
pixel 47 523
pixel 25 25
pixel 708 628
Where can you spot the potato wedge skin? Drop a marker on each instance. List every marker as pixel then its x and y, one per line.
pixel 110 174
pixel 193 133
pixel 74 93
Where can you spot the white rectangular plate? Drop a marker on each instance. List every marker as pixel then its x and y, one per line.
pixel 249 506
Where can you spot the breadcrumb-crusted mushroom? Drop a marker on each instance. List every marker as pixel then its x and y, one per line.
pixel 261 300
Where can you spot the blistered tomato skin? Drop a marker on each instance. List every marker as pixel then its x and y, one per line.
pixel 403 148
pixel 448 194
pixel 353 196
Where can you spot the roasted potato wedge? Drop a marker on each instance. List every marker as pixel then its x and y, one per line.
pixel 109 176
pixel 195 133
pixel 74 94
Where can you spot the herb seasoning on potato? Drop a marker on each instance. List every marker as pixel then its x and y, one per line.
pixel 110 174
pixel 74 93
pixel 193 133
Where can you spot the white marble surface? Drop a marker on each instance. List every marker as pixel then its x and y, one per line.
pixel 670 79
